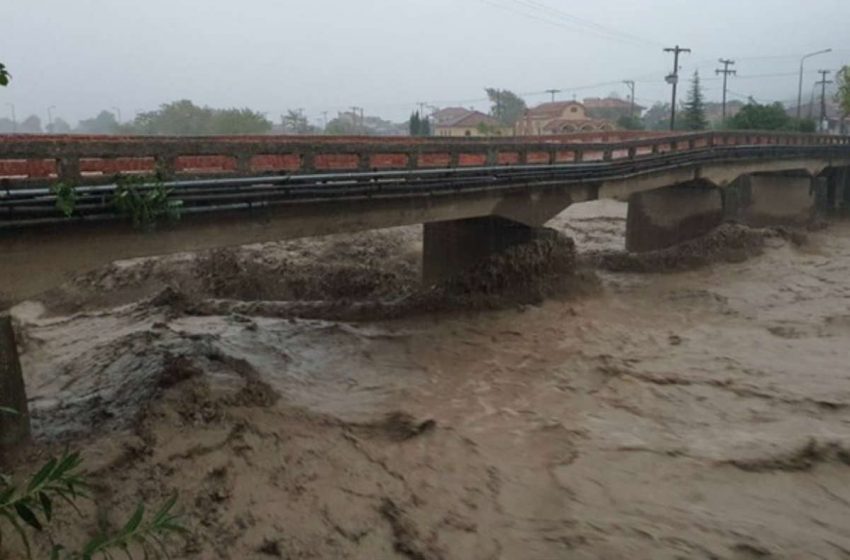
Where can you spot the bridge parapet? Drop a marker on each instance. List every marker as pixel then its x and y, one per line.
pixel 36 161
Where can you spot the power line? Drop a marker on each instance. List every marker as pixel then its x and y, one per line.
pixel 584 22
pixel 573 26
pixel 641 79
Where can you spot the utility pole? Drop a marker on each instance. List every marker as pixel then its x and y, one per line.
pixel 631 84
pixel 324 121
pixel 553 92
pixel 823 82
pixel 726 72
pixel 354 110
pixel 673 79
pixel 118 113
pixel 50 118
pixel 14 118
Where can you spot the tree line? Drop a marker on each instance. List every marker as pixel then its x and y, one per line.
pixel 747 116
pixel 178 118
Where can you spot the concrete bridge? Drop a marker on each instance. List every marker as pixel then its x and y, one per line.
pixel 474 197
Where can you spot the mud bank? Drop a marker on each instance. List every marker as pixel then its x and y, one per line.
pixel 701 414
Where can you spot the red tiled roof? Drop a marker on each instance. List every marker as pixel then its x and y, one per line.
pixel 552 109
pixel 472 119
pixel 450 114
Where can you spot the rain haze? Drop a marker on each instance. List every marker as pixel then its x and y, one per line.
pixel 386 55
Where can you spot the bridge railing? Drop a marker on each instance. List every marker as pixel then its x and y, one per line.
pixel 34 161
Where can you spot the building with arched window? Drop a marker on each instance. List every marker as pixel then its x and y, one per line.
pixel 559 117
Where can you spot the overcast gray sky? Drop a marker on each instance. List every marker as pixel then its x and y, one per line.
pixel 385 55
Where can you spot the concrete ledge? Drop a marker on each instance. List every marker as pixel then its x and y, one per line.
pixel 14 429
pixel 665 217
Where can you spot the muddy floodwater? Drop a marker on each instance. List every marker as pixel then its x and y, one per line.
pixel 690 414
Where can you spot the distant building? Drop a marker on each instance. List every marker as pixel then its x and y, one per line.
pixel 449 114
pixel 611 108
pixel 458 122
pixel 559 117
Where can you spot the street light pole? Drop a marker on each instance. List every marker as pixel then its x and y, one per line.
pixel 118 113
pixel 800 87
pixel 50 118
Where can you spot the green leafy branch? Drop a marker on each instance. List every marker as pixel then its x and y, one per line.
pixel 4 75
pixel 66 198
pixel 32 507
pixel 146 534
pixel 145 204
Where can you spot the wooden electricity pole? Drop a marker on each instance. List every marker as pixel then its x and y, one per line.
pixel 673 79
pixel 726 72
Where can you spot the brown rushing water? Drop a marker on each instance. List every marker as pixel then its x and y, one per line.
pixel 701 414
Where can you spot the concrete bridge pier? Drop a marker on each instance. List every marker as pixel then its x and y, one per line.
pixel 451 247
pixel 772 199
pixel 838 190
pixel 667 216
pixel 14 428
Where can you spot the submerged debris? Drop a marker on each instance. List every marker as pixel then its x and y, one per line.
pixel 727 243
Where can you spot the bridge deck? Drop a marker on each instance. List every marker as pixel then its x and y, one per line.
pixel 25 206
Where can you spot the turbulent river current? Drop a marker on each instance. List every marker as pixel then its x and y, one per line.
pixel 701 412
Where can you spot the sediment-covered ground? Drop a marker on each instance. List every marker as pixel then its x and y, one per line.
pixel 689 404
